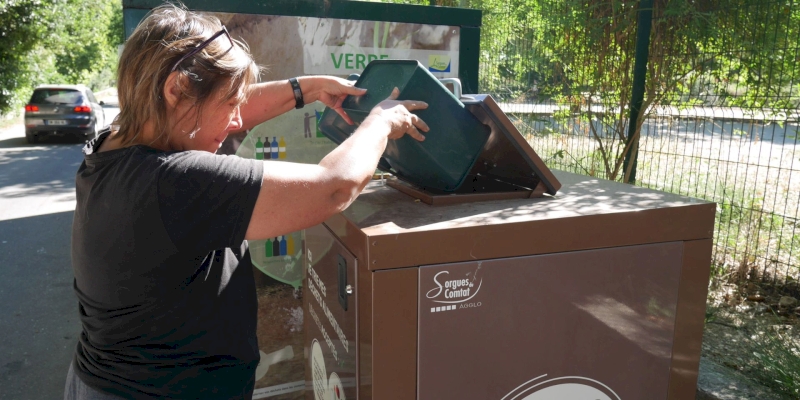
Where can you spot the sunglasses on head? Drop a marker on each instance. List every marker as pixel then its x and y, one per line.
pixel 202 46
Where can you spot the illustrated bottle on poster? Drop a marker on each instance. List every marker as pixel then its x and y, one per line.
pixel 259 150
pixel 283 245
pixel 281 149
pixel 268 248
pixel 267 149
pixel 319 118
pixel 276 247
pixel 290 245
pixel 275 148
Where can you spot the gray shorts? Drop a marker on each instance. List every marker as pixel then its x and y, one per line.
pixel 75 389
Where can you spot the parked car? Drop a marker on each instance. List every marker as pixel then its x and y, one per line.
pixel 63 110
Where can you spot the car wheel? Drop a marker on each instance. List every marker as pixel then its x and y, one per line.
pixel 31 137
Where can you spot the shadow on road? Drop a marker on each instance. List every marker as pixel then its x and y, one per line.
pixel 48 141
pixel 41 169
pixel 40 325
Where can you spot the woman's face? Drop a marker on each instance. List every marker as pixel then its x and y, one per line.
pixel 218 118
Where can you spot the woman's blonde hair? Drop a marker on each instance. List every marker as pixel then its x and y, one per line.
pixel 168 33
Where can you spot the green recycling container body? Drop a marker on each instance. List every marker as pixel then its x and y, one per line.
pixel 453 144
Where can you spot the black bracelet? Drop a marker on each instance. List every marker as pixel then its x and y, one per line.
pixel 298 94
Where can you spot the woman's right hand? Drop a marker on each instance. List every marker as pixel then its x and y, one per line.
pixel 397 115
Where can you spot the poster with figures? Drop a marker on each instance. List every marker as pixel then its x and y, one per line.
pixel 294 46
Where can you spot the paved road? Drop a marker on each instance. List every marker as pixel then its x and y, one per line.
pixel 38 310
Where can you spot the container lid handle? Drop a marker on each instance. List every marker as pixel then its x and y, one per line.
pixel 456 85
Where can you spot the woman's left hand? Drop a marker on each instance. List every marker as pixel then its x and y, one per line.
pixel 332 91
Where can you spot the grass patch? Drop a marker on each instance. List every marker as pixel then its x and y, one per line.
pixel 778 359
pixel 747 330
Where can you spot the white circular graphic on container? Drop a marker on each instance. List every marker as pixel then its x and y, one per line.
pixel 564 387
pixel 319 375
pixel 335 387
pixel 572 391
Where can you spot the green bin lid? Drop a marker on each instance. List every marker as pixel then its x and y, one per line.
pixel 452 145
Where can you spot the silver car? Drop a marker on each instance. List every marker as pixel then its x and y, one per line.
pixel 63 110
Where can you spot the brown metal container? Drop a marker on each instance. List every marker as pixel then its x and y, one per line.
pixel 507 288
pixel 597 292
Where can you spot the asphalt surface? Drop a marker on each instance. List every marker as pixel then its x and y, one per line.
pixel 39 323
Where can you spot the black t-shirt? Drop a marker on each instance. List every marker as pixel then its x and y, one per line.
pixel 162 273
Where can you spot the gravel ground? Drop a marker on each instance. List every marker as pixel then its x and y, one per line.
pixel 737 318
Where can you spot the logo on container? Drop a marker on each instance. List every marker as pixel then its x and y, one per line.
pixel 455 291
pixel 439 63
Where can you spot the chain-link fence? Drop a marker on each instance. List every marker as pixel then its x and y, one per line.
pixel 719 106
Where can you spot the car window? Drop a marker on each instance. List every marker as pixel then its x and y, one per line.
pixel 91 96
pixel 56 96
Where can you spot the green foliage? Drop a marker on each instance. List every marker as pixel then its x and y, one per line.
pixel 580 54
pixel 778 360
pixel 21 23
pixel 56 41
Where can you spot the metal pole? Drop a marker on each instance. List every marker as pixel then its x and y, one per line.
pixel 643 26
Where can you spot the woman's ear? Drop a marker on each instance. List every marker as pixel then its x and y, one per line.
pixel 172 91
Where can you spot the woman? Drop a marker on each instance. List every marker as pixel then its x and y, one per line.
pixel 162 274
